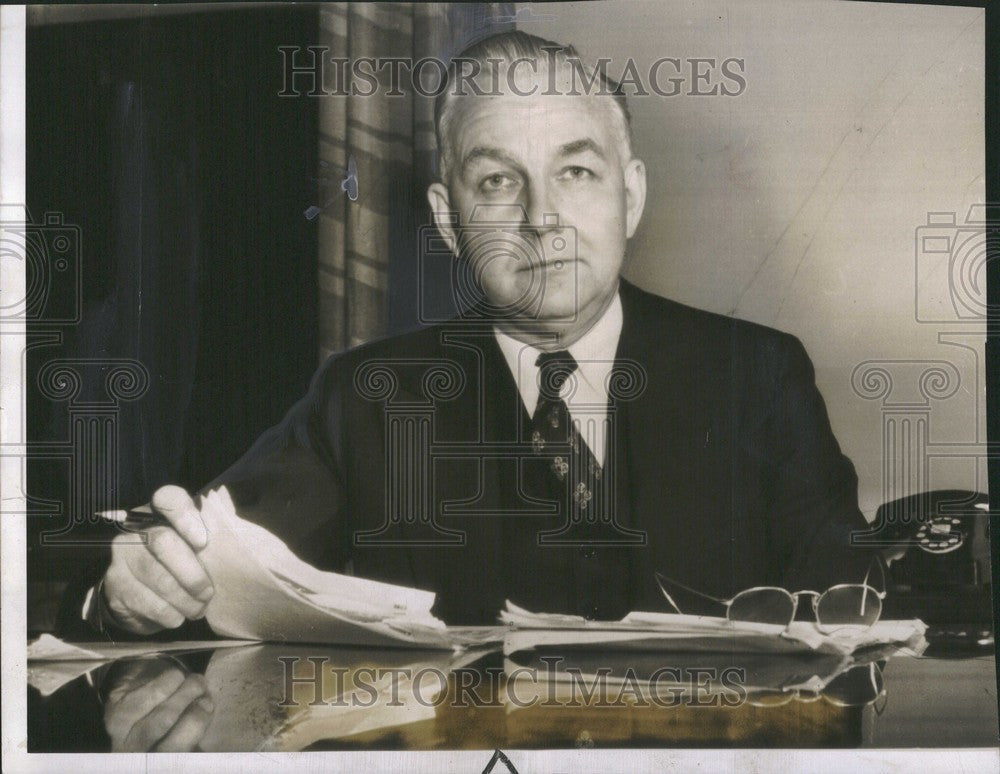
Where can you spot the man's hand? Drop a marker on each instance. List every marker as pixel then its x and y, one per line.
pixel 158 582
pixel 155 706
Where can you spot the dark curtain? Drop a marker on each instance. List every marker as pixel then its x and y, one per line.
pixel 162 142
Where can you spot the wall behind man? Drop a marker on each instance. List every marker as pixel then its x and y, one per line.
pixel 796 203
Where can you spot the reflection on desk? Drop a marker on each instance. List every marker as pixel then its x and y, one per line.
pixel 294 697
pixel 936 703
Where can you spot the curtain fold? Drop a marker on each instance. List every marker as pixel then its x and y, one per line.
pixel 368 267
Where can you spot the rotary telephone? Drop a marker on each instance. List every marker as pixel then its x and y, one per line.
pixel 938 547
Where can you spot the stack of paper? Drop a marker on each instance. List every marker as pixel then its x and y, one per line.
pixel 668 631
pixel 545 650
pixel 264 592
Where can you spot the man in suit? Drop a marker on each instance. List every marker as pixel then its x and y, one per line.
pixel 563 439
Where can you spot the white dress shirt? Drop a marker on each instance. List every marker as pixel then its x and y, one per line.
pixel 585 392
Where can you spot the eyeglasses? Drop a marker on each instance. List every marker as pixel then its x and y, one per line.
pixel 859 686
pixel 847 605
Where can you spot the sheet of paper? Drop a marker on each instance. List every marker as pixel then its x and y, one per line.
pixel 49 648
pixel 646 630
pixel 47 677
pixel 264 592
pixel 545 658
pixel 638 642
pixel 52 663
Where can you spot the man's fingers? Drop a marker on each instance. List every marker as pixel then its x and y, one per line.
pixel 149 730
pixel 177 507
pixel 139 676
pixel 121 597
pixel 127 705
pixel 159 580
pixel 157 585
pixel 180 561
pixel 160 584
pixel 189 728
pixel 139 607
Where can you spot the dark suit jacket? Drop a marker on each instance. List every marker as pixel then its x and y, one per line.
pixel 725 471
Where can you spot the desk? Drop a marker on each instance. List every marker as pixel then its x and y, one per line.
pixel 267 697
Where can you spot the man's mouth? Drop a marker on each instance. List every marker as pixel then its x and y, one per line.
pixel 558 264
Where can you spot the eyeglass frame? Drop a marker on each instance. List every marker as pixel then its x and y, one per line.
pixel 794 596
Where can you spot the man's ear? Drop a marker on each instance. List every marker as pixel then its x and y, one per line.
pixel 635 195
pixel 444 216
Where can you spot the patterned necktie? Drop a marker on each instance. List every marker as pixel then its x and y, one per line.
pixel 551 419
pixel 553 435
pixel 577 550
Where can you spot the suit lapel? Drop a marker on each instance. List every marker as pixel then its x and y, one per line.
pixel 470 486
pixel 654 430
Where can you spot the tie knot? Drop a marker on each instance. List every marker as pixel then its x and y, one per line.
pixel 554 369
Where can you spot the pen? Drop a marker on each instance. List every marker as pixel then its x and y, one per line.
pixel 140 516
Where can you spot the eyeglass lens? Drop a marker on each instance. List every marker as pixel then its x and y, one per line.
pixel 848 606
pixel 767 606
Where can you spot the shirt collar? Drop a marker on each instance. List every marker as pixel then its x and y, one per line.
pixel 594 353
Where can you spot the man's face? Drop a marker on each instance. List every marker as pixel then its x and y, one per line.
pixel 545 202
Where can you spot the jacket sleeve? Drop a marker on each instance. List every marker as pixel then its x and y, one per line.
pixel 814 488
pixel 290 480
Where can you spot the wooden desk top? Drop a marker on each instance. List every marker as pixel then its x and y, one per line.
pixel 266 697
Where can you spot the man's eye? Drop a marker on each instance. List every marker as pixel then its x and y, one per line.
pixel 497 182
pixel 577 173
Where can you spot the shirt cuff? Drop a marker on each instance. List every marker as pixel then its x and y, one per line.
pixel 95 612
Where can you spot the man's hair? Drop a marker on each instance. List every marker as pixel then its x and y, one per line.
pixel 503 50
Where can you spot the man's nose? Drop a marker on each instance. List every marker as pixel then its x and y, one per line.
pixel 541 209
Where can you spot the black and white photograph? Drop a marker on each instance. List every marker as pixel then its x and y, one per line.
pixel 593 386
